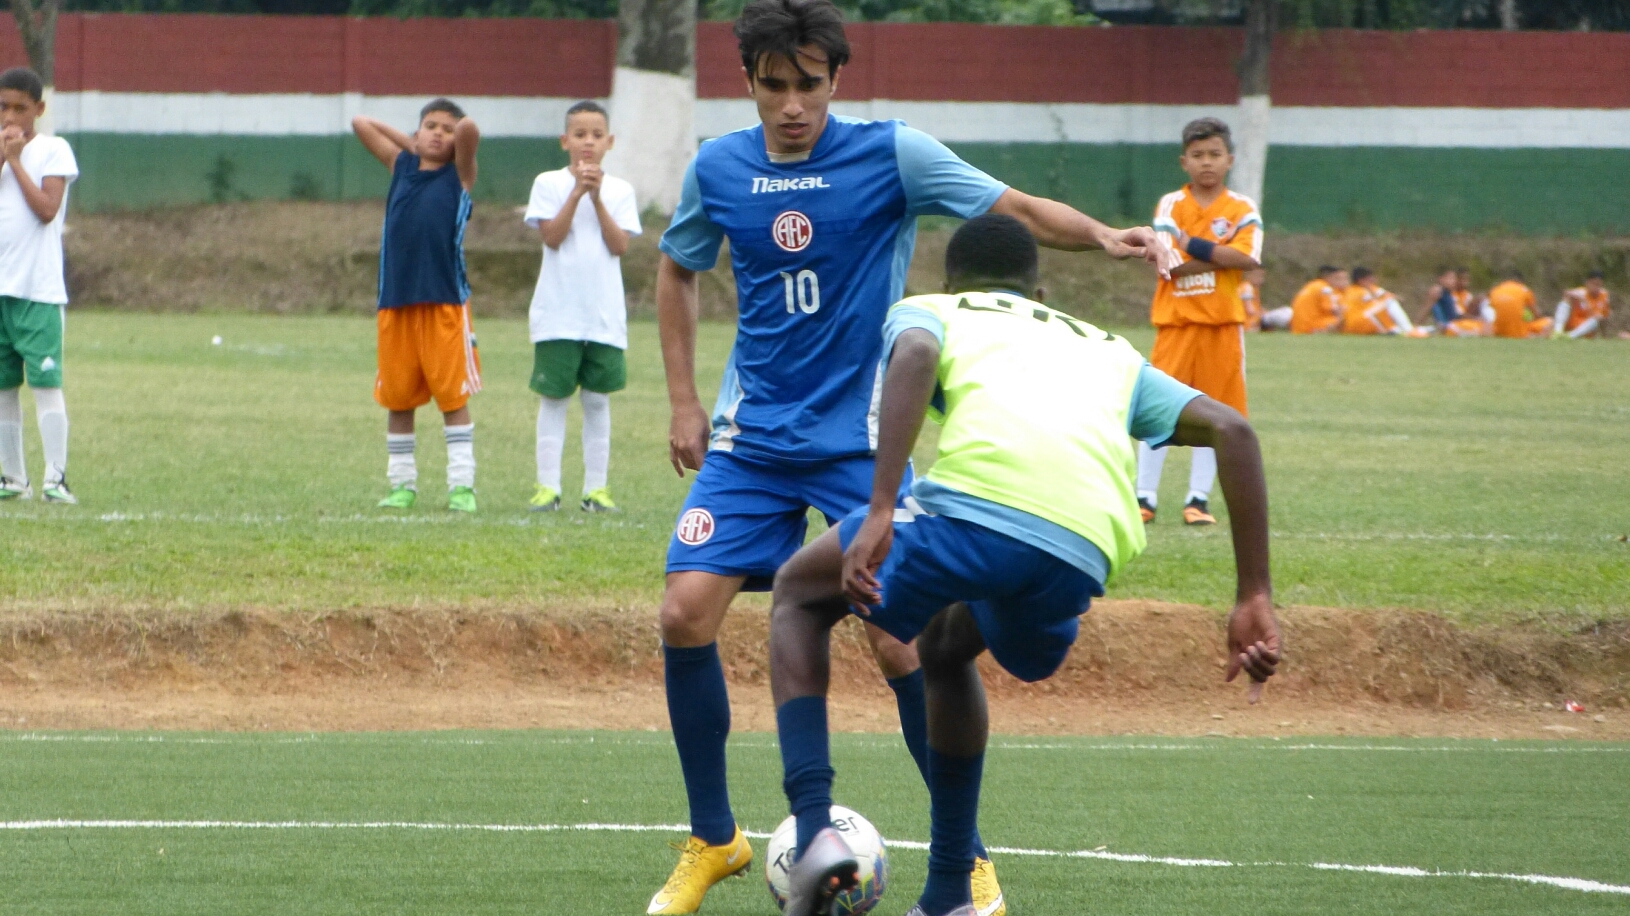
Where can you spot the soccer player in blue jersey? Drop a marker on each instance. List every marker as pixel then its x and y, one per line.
pixel 821 216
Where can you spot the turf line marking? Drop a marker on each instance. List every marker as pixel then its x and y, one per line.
pixel 1398 871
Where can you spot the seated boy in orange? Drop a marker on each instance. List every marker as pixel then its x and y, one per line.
pixel 1197 313
pixel 1317 307
pixel 1369 309
pixel 1513 305
pixel 1583 310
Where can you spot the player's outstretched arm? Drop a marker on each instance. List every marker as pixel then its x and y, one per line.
pixel 1253 631
pixel 466 137
pixel 383 141
pixel 1063 227
pixel 908 386
pixel 676 324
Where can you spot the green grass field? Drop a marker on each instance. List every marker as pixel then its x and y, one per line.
pixel 365 823
pixel 1480 478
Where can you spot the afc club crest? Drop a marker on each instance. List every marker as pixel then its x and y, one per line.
pixel 792 231
pixel 695 527
pixel 1220 228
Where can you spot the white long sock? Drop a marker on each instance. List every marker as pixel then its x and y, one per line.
pixel 551 440
pixel 461 456
pixel 1151 462
pixel 11 436
pixel 596 440
pixel 1588 326
pixel 401 469
pixel 51 410
pixel 1202 473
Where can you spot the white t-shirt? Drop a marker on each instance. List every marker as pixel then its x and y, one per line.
pixel 580 288
pixel 31 251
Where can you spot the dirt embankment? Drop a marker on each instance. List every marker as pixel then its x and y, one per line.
pixel 315 258
pixel 1138 667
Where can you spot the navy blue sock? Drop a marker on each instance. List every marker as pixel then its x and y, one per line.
pixel 954 794
pixel 699 711
pixel 806 759
pixel 911 700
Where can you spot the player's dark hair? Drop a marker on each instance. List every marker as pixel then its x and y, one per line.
pixel 781 27
pixel 1362 273
pixel 1514 274
pixel 446 105
pixel 992 247
pixel 23 79
pixel 1326 270
pixel 1463 270
pixel 1595 275
pixel 587 107
pixel 1206 128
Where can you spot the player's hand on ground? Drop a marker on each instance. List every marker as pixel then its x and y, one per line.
pixel 1253 643
pixel 864 557
pixel 687 438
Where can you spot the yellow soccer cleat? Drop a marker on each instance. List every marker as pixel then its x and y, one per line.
pixel 987 894
pixel 700 867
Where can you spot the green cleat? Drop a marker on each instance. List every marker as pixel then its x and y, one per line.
pixel 402 497
pixel 58 493
pixel 546 499
pixel 12 488
pixel 599 501
pixel 461 499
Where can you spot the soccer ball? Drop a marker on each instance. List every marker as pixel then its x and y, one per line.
pixel 863 840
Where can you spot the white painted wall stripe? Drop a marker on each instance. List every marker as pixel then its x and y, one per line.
pixel 953 122
pixel 1584 885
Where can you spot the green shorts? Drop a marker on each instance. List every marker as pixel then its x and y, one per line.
pixel 30 343
pixel 559 366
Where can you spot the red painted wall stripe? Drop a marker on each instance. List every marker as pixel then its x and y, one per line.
pixel 917 62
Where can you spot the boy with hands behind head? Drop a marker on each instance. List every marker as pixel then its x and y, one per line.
pixel 426 345
pixel 579 318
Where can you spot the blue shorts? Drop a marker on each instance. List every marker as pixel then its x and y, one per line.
pixel 1026 602
pixel 746 517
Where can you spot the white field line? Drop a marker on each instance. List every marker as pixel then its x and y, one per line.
pixel 1399 871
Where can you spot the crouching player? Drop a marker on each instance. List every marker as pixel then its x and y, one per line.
pixel 990 551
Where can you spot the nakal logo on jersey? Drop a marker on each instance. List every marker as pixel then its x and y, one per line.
pixel 769 185
pixel 792 231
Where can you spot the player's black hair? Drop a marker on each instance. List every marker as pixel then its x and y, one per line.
pixel 781 27
pixel 1514 274
pixel 993 247
pixel 1326 270
pixel 447 105
pixel 1206 128
pixel 1595 275
pixel 1362 273
pixel 23 79
pixel 587 107
pixel 1463 270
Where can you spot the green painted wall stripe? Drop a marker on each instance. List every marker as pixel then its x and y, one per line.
pixel 1308 189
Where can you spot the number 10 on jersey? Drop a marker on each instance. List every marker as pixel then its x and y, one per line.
pixel 803 292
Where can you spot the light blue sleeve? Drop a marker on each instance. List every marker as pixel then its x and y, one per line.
pixel 1157 401
pixel 903 318
pixel 937 181
pixel 692 239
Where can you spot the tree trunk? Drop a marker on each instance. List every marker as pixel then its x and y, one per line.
pixel 1251 126
pixel 1508 15
pixel 653 98
pixel 37 24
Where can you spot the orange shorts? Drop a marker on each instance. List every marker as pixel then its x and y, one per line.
pixel 426 351
pixel 1206 357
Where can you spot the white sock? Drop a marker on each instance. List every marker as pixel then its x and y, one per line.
pixel 596 440
pixel 551 440
pixel 460 456
pixel 1202 473
pixel 401 469
pixel 1151 462
pixel 51 410
pixel 1588 326
pixel 11 436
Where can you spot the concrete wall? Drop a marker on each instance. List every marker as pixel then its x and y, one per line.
pixel 1454 130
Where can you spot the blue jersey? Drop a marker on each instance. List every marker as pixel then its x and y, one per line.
pixel 820 249
pixel 421 252
pixel 1445 309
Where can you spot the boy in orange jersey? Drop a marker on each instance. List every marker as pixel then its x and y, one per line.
pixel 1583 309
pixel 1513 305
pixel 1197 312
pixel 1317 307
pixel 1369 309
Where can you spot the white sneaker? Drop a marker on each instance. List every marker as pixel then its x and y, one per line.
pixel 826 868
